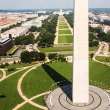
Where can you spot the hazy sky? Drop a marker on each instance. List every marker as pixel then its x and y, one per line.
pixel 33 4
pixel 13 4
pixel 99 3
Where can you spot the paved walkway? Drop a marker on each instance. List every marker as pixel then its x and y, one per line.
pixel 98 53
pixel 3 74
pixel 31 99
pixel 58 100
pixel 56 34
pixel 27 100
pixel 8 76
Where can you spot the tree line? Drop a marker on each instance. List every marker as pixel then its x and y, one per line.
pixel 24 40
pixel 69 18
pixel 47 32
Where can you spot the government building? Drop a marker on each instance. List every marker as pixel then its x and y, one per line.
pixel 5 44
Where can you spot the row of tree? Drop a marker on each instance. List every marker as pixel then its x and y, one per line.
pixel 28 57
pixel 58 57
pixel 34 29
pixel 69 18
pixel 24 40
pixel 47 32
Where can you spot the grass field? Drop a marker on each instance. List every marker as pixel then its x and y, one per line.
pixel 62 23
pixel 41 79
pixel 65 35
pixel 100 75
pixel 12 50
pixel 29 107
pixel 18 65
pixel 9 96
pixel 44 77
pixel 1 74
pixel 15 67
pixel 103 59
pixel 64 32
pixel 93 48
pixel 63 26
pixel 56 49
pixel 65 39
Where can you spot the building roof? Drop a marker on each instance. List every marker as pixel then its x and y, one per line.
pixel 4 39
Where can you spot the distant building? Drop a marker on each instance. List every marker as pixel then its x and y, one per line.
pixel 16 32
pixel 5 44
pixel 29 48
pixel 69 59
pixel 60 12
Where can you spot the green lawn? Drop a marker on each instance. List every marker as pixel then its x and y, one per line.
pixel 15 67
pixel 12 50
pixel 29 107
pixel 1 74
pixel 41 79
pixel 56 49
pixel 93 48
pixel 9 96
pixel 64 31
pixel 10 72
pixel 63 26
pixel 62 23
pixel 65 39
pixel 100 75
pixel 40 101
pixel 103 59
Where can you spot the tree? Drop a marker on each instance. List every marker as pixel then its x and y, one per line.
pixel 91 55
pixel 24 40
pixel 33 29
pixel 47 32
pixel 37 56
pixel 108 37
pixel 34 55
pixel 93 41
pixel 26 57
pixel 70 19
pixel 53 56
pixel 41 56
pixel 61 58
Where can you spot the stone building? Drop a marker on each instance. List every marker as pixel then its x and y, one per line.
pixel 5 44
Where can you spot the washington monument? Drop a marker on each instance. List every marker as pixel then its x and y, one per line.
pixel 80 92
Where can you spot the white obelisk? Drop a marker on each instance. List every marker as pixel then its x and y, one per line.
pixel 80 53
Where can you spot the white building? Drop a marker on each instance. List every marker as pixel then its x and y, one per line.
pixel 35 22
pixel 69 59
pixel 15 32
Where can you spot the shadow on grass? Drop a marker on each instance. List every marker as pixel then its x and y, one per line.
pixel 57 77
pixel 2 96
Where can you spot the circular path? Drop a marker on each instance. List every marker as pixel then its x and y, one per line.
pixel 58 100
